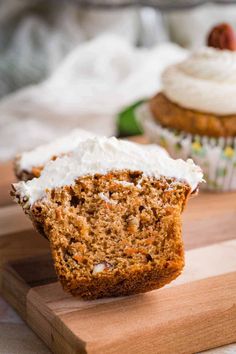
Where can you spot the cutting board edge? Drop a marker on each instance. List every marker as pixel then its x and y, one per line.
pixel 51 336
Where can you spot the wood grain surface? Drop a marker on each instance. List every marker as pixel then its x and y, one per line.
pixel 6 178
pixel 194 313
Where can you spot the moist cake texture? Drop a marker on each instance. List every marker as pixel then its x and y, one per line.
pixel 112 214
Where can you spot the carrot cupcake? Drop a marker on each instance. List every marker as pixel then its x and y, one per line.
pixel 195 114
pixel 112 213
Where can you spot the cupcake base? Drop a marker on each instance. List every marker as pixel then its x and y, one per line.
pixel 171 115
pixel 216 156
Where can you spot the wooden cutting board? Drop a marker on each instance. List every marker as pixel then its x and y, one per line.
pixel 194 313
pixel 6 178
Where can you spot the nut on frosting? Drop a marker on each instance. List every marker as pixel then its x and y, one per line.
pixel 222 36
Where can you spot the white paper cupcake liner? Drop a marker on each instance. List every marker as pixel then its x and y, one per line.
pixel 216 156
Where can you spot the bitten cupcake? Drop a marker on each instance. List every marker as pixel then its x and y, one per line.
pixel 195 114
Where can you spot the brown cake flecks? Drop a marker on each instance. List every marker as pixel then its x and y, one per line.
pixel 114 234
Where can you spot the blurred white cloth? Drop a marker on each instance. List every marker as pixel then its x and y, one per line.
pixel 35 36
pixel 91 85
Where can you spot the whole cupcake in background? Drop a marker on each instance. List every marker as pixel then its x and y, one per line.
pixel 195 114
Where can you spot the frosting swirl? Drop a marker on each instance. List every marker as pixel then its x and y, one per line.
pixel 206 82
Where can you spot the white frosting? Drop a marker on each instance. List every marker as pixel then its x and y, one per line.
pixel 44 153
pixel 101 155
pixel 206 81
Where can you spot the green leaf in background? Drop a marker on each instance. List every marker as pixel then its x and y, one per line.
pixel 127 124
